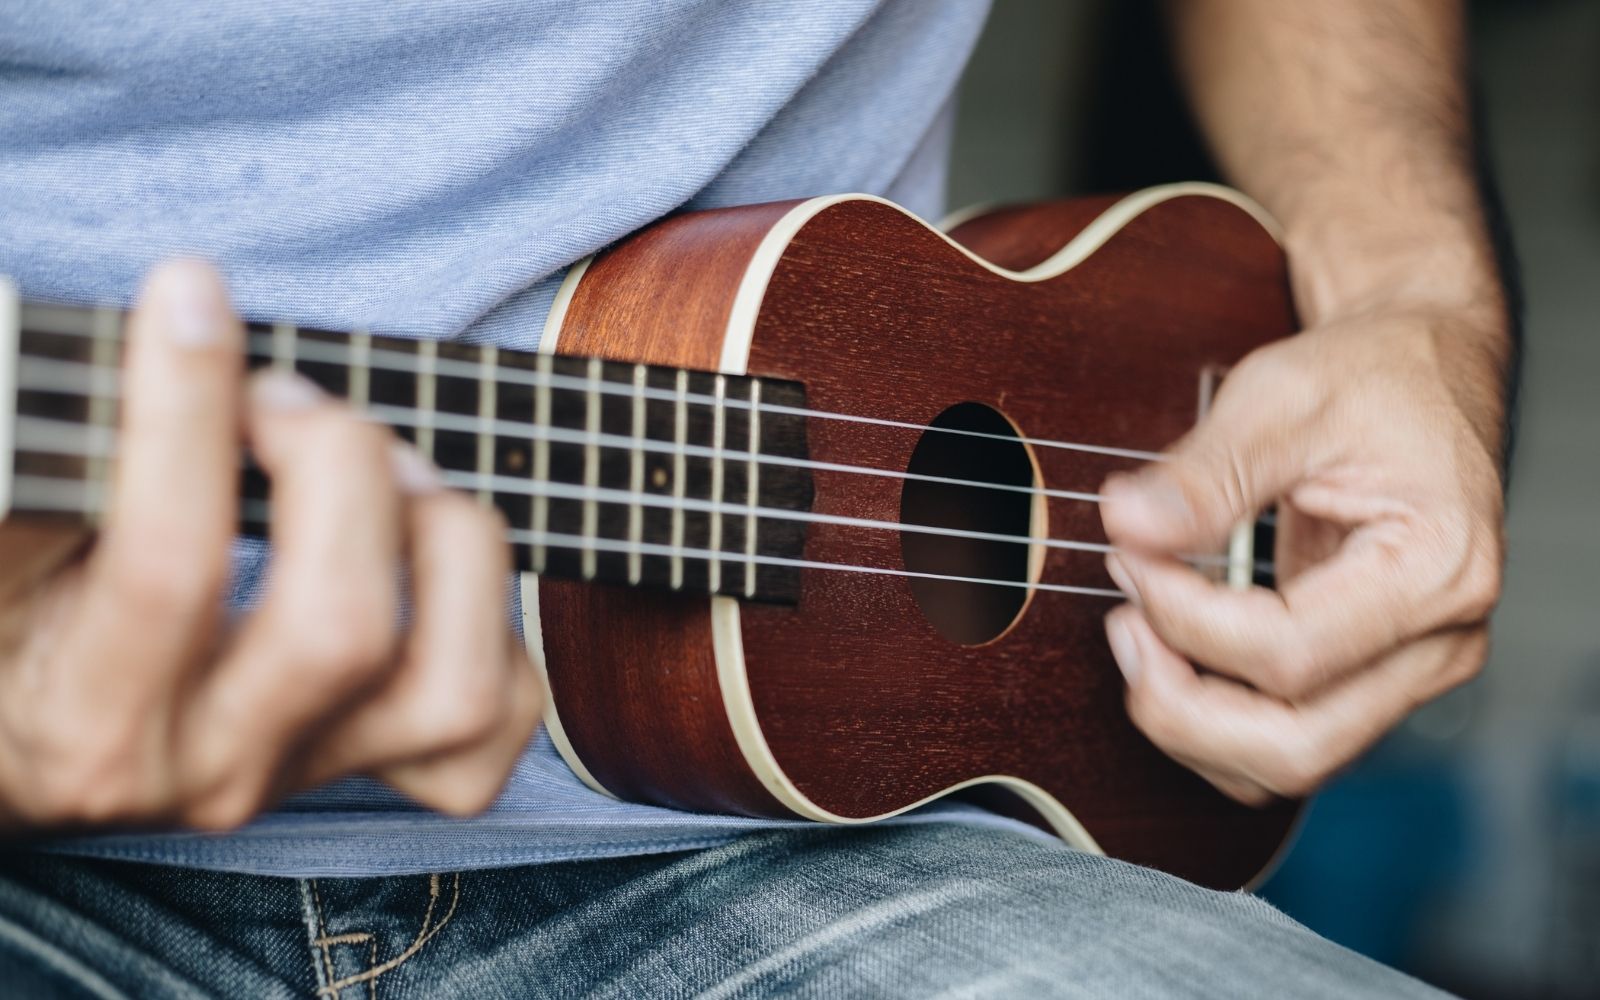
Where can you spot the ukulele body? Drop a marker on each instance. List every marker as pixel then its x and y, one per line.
pixel 1093 320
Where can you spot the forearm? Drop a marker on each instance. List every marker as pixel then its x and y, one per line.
pixel 1349 122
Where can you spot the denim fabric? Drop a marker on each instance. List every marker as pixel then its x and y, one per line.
pixel 431 169
pixel 938 910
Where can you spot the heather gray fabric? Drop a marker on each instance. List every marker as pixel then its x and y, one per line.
pixel 936 910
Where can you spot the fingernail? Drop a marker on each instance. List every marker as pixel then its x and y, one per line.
pixel 1123 579
pixel 196 311
pixel 1124 649
pixel 282 390
pixel 412 472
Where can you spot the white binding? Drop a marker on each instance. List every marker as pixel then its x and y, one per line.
pixel 10 334
pixel 964 214
pixel 727 635
pixel 528 583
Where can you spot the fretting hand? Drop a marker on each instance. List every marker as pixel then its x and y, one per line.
pixel 126 698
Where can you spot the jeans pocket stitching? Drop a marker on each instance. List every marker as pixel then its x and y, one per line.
pixel 426 933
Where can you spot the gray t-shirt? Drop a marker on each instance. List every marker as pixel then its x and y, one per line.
pixel 431 168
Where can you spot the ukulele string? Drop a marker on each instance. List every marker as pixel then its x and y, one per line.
pixel 77 497
pixel 70 378
pixel 377 359
pixel 45 436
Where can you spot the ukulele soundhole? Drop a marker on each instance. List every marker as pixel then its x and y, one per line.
pixel 966 612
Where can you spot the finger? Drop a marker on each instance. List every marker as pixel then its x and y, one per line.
pixel 162 560
pixel 327 628
pixel 1236 461
pixel 453 688
pixel 467 781
pixel 1237 737
pixel 1379 588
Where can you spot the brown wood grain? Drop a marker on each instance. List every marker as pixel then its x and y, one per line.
pixel 632 673
pixel 865 705
pixel 1108 353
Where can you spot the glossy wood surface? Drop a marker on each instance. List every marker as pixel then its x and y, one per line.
pixel 865 705
pixel 632 674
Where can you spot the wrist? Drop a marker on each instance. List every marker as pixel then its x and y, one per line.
pixel 1342 268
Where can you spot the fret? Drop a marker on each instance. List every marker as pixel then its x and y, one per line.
pixel 680 472
pixel 636 479
pixel 752 488
pixel 719 430
pixel 390 386
pixel 660 432
pixel 311 356
pixel 591 467
pixel 541 461
pixel 457 413
pixel 513 453
pixel 427 355
pixel 615 452
pixel 284 336
pixel 360 371
pixel 488 386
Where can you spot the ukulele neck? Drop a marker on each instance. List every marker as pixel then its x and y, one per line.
pixel 632 474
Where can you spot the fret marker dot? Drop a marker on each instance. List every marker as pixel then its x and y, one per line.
pixel 658 477
pixel 517 460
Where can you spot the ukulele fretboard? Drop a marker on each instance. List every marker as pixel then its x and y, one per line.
pixel 607 471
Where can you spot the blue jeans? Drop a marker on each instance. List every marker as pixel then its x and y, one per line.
pixel 915 911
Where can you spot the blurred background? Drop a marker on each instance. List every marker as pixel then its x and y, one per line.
pixel 1465 849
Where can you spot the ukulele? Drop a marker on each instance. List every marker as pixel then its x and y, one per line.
pixel 803 496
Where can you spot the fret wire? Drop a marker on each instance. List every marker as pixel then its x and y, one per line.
pixel 359 369
pixel 284 336
pixel 102 409
pixel 636 476
pixel 752 493
pixel 541 458
pixel 396 361
pixel 487 403
pixel 591 467
pixel 62 376
pixel 680 471
pixel 719 434
pixel 427 395
pixel 259 510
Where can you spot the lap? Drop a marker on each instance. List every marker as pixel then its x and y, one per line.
pixel 935 909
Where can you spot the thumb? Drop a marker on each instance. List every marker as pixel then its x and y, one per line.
pixel 1223 472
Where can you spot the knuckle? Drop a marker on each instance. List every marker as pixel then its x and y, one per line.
pixel 1297 770
pixel 1480 587
pixel 1292 671
pixel 1155 719
pixel 1468 661
pixel 1279 371
pixel 478 530
pixel 349 632
pixel 153 586
pixel 470 714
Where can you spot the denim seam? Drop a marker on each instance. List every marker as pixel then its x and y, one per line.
pixel 426 933
pixel 310 914
pixel 322 942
